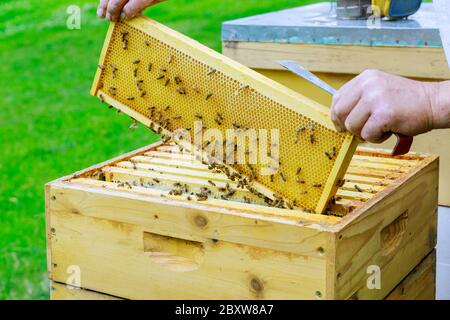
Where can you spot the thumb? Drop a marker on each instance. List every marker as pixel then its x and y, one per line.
pixel 134 7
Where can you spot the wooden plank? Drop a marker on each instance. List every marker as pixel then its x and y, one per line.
pixel 395 231
pixel 181 219
pixel 420 284
pixel 109 249
pixel 428 62
pixel 60 291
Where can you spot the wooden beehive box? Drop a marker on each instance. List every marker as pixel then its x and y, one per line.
pixel 129 238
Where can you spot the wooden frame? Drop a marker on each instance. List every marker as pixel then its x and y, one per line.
pixel 149 245
pixel 428 62
pixel 420 284
pixel 278 93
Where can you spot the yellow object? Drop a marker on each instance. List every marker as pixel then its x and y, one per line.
pixel 168 82
pixel 381 7
pixel 134 240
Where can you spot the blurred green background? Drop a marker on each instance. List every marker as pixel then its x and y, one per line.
pixel 51 127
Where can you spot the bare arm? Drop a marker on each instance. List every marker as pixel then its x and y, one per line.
pixel 376 103
pixel 116 10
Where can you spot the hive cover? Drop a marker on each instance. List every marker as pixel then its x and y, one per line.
pixel 274 141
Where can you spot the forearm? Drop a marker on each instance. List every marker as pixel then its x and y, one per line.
pixel 441 106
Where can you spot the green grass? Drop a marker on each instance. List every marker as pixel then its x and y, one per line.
pixel 51 127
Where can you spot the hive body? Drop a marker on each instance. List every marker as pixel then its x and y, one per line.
pixel 131 238
pixel 170 82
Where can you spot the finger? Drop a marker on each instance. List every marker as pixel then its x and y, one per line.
pixel 357 119
pixel 114 9
pixel 375 130
pixel 134 7
pixel 101 10
pixel 343 103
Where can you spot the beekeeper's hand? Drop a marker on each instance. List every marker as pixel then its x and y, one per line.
pixel 116 10
pixel 375 104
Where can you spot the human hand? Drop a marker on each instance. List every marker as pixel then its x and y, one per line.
pixel 376 104
pixel 116 10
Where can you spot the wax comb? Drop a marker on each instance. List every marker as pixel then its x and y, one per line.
pixel 168 81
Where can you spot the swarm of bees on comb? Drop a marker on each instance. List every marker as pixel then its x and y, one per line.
pixel 165 119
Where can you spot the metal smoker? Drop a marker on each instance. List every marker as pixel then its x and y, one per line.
pixel 363 9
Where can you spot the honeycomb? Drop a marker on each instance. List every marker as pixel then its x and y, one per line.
pixel 174 87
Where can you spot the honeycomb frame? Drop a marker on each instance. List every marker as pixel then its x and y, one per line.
pixel 214 84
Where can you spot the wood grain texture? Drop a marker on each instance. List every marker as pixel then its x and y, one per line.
pixel 428 62
pixel 395 233
pixel 420 284
pixel 60 291
pixel 112 257
pixel 139 244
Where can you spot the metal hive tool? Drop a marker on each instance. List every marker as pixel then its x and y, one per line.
pixel 167 82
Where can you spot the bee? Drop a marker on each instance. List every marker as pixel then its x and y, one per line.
pixel 357 188
pixel 244 86
pixel 300 181
pixel 333 152
pixel 133 126
pixel 166 83
pixel 196 89
pixel 136 61
pixel 217 120
pixel 299 170
pixel 119 111
pixel 147 43
pixel 176 117
pixel 163 69
pixel 143 94
pixel 208 96
pixel 112 90
pixel 340 183
pixel 101 97
pixel 283 177
pixel 312 139
pixel 181 90
pixel 130 98
pixel 188 198
pixel 213 71
pixel 312 127
pixel 300 130
pixel 161 76
pixel 329 156
pixel 125 44
pixel 167 108
pixel 150 66
pixel 177 79
pixel 124 34
pixel 317 185
pixel 290 205
pixel 170 59
pixel 211 183
pixel 101 67
pixel 219 115
pixel 272 178
pixel 198 116
pixel 156 180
